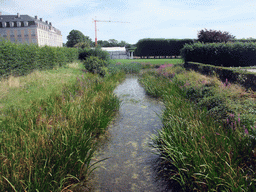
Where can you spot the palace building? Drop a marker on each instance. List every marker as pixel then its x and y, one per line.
pixel 26 29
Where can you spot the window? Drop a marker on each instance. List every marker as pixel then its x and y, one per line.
pixel 34 41
pixel 18 33
pixel 33 32
pixel 26 33
pixel 11 24
pixel 4 33
pixel 4 24
pixel 12 33
pixel 18 24
pixel 25 23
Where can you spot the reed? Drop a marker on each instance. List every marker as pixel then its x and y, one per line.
pixel 48 145
pixel 199 152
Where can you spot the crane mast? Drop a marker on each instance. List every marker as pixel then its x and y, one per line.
pixel 95 21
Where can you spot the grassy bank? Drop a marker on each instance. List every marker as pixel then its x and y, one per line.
pixel 21 91
pixel 208 139
pixel 49 125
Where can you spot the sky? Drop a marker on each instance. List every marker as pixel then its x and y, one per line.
pixel 138 19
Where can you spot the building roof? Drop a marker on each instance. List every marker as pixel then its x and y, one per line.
pixel 18 17
pixel 8 18
pixel 113 48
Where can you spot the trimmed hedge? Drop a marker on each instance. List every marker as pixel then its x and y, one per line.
pixel 221 54
pixel 21 59
pixel 160 47
pixel 248 80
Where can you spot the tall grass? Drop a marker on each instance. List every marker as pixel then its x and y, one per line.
pixel 48 146
pixel 200 153
pixel 21 91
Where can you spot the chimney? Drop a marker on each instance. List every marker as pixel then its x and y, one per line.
pixel 41 19
pixel 50 23
pixel 36 17
pixel 18 15
pixel 0 13
pixel 46 22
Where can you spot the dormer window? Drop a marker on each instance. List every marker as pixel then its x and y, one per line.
pixel 25 23
pixel 11 24
pixel 18 24
pixel 4 24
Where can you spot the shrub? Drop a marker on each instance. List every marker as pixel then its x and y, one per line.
pixel 95 65
pixel 98 52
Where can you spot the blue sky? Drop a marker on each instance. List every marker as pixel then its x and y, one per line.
pixel 147 18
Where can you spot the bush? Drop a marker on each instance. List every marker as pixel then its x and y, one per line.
pixel 98 52
pixel 95 65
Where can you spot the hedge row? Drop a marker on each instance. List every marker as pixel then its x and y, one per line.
pixel 160 47
pixel 21 59
pixel 248 80
pixel 221 54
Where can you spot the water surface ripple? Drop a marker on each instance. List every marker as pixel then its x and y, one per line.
pixel 130 163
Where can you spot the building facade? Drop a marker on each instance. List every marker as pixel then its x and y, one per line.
pixel 118 52
pixel 26 29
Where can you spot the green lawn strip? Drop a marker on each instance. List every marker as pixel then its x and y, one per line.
pixel 203 154
pixel 47 145
pixel 150 62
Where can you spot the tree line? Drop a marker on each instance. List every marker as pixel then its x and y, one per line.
pixel 77 39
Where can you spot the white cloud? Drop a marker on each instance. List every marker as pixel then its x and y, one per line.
pixel 148 18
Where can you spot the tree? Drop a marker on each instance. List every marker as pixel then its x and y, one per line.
pixel 113 42
pixel 75 37
pixel 122 44
pixel 214 36
pixel 83 45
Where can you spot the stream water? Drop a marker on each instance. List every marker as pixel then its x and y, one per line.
pixel 131 162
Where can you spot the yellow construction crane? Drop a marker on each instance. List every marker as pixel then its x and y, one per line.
pixel 95 21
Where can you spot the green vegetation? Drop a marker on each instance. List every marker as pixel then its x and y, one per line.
pixel 238 75
pixel 160 47
pixel 77 39
pixel 21 91
pixel 21 59
pixel 97 52
pixel 208 139
pixel 221 54
pixel 95 65
pixel 147 63
pixel 47 142
pixel 214 36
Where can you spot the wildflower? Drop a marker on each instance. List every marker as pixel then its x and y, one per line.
pixel 204 82
pixel 232 115
pixel 246 131
pixel 226 81
pixel 227 121
pixel 202 137
pixel 217 133
pixel 238 120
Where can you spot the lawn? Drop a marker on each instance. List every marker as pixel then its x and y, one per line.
pixel 149 61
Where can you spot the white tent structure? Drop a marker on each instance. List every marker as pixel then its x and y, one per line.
pixel 118 52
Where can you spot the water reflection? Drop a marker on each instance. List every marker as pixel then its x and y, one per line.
pixel 131 164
